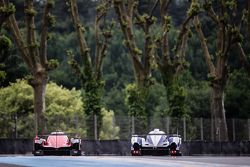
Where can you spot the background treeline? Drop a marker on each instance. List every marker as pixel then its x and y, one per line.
pixel 117 66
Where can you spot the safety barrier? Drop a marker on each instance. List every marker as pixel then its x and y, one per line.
pixel 122 147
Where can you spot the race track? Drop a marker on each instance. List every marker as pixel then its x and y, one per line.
pixel 124 161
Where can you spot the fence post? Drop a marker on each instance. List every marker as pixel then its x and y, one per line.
pixel 167 124
pixel 133 125
pixel 113 127
pixel 248 129
pixel 184 129
pixel 233 126
pixel 95 126
pixel 212 129
pixel 201 127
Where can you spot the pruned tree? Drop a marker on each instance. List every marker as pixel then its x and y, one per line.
pixel 90 73
pixel 34 54
pixel 127 13
pixel 228 35
pixel 170 61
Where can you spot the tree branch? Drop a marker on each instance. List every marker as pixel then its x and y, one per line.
pixel 101 47
pixel 164 4
pixel 152 10
pixel 97 40
pixel 165 20
pixel 183 34
pixel 82 42
pixel 211 12
pixel 44 35
pixel 204 47
pixel 243 58
pixel 130 8
pixel 19 41
pixel 126 26
pixel 30 26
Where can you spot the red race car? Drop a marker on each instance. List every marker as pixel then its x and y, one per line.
pixel 56 143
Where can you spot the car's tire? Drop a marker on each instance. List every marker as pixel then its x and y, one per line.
pixel 136 146
pixel 38 153
pixel 75 152
pixel 173 146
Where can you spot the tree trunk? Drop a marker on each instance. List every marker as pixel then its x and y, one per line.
pixel 39 86
pixel 218 113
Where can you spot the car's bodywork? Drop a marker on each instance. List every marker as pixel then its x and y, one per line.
pixel 156 142
pixel 56 143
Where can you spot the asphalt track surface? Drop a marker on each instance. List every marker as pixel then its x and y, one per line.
pixel 124 161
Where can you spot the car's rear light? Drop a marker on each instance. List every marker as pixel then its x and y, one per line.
pixel 36 138
pixel 173 152
pixel 137 152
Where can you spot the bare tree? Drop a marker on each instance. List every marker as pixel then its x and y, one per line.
pixel 34 54
pixel 228 35
pixel 90 73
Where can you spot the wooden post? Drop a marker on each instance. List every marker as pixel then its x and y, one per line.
pixel 248 129
pixel 233 125
pixel 201 127
pixel 167 124
pixel 184 129
pixel 95 126
pixel 133 125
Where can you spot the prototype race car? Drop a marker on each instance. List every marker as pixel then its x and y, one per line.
pixel 56 143
pixel 156 142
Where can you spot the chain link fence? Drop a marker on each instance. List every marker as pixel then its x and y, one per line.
pixel 122 127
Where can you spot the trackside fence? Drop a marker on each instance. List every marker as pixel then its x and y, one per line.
pixel 122 127
pixel 122 147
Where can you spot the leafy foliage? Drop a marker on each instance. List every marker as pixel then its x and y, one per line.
pixel 7 10
pixel 64 109
pixel 5 47
pixel 238 94
pixel 108 129
pixel 136 99
pixel 191 93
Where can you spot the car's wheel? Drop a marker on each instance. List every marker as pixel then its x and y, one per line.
pixel 75 152
pixel 173 146
pixel 136 146
pixel 38 153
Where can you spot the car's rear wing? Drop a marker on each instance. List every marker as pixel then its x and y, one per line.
pixel 168 135
pixel 73 135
